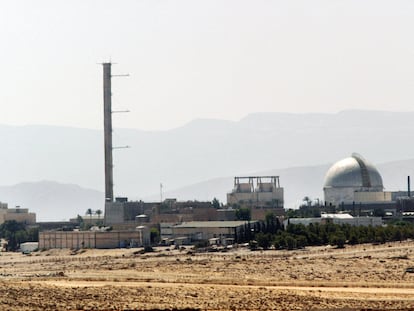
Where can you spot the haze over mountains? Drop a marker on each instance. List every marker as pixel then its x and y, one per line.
pixel 198 160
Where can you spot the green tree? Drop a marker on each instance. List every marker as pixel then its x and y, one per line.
pixel 89 212
pixel 272 223
pixel 99 213
pixel 264 240
pixel 215 203
pixel 154 235
pixel 15 233
pixel 337 239
pixel 307 200
pixel 80 221
pixel 243 213
pixel 379 212
pixel 290 242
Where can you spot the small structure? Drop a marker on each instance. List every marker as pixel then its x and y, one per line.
pixel 28 247
pixel 205 230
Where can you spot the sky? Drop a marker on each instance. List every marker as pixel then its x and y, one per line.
pixel 194 59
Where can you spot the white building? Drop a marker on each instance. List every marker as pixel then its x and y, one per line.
pixel 354 180
pixel 264 191
pixel 339 219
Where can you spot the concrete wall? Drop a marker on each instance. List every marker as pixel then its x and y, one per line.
pixel 29 218
pixel 367 197
pixel 226 214
pixel 355 221
pixel 347 195
pixel 259 213
pixel 360 221
pixel 92 239
pixel 114 213
pixel 196 234
pixel 275 195
pixel 336 196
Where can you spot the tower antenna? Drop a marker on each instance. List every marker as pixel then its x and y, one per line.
pixel 107 97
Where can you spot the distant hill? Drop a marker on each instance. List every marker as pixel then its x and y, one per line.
pixel 56 201
pixel 210 150
pixel 202 149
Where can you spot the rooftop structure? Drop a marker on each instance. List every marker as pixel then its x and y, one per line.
pixel 256 183
pixel 257 192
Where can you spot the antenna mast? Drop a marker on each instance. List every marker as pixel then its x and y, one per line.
pixel 107 96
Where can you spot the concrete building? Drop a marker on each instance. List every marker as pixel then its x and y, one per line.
pixel 339 219
pixel 261 194
pixel 17 214
pixel 354 180
pixel 124 214
pixel 94 239
pixel 257 190
pixel 226 214
pixel 189 232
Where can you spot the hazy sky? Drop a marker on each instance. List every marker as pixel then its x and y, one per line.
pixel 202 59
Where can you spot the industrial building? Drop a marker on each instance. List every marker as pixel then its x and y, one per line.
pixel 355 185
pixel 261 194
pixel 124 214
pixel 339 219
pixel 354 180
pixel 189 232
pixel 94 239
pixel 17 214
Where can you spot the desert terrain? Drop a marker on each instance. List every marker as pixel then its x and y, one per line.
pixel 364 277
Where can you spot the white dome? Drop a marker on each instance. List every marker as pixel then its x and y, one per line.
pixel 354 172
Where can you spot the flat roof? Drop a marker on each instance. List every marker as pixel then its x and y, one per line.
pixel 337 216
pixel 212 224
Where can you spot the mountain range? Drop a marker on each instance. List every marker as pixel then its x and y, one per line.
pixel 198 160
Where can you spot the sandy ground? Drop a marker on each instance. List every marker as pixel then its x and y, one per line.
pixel 366 277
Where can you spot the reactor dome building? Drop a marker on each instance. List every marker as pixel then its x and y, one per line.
pixel 354 180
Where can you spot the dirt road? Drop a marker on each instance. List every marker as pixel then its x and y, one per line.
pixel 356 278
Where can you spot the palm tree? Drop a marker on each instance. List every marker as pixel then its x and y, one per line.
pixel 99 213
pixel 89 212
pixel 307 200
